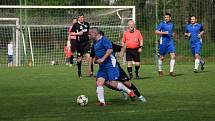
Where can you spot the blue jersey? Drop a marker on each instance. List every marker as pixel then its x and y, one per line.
pixel 164 26
pixel 194 30
pixel 100 48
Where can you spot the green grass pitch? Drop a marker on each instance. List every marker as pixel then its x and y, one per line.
pixel 49 94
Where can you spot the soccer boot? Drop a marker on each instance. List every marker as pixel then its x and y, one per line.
pixel 195 71
pixel 142 99
pixel 132 95
pixel 160 73
pixel 137 76
pixel 202 65
pixel 100 104
pixel 172 74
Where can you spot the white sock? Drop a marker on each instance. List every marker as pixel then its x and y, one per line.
pixel 197 61
pixel 171 64
pixel 122 87
pixel 160 65
pixel 100 94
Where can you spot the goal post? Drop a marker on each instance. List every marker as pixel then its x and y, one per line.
pixel 42 30
pixel 15 38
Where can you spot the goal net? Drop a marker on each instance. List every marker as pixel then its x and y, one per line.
pixel 39 33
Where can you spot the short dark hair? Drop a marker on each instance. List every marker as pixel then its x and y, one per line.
pixel 74 18
pixel 168 14
pixel 96 29
pixel 193 16
pixel 81 14
pixel 102 33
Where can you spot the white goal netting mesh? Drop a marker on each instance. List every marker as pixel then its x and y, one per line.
pixel 41 33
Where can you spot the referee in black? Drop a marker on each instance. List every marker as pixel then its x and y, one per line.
pixel 81 29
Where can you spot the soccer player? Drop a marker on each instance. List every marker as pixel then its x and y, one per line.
pixel 166 30
pixel 108 71
pixel 123 76
pixel 10 54
pixel 68 55
pixel 71 36
pixel 81 29
pixel 195 31
pixel 133 41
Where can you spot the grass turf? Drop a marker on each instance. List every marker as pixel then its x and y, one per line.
pixel 49 94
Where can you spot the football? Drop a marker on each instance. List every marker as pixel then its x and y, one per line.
pixel 82 100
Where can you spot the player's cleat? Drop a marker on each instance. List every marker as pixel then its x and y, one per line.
pixel 172 74
pixel 79 74
pixel 125 95
pixel 70 65
pixel 195 71
pixel 137 76
pixel 91 75
pixel 142 99
pixel 100 104
pixel 132 95
pixel 202 65
pixel 131 76
pixel 160 73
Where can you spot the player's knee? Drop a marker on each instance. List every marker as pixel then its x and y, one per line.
pixel 100 81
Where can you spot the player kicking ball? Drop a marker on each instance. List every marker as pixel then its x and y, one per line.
pixel 195 31
pixel 123 77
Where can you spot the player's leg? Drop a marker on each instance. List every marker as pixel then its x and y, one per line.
pixel 100 80
pixel 125 80
pixel 136 58
pixel 171 50
pixel 162 52
pixel 113 75
pixel 129 62
pixel 197 50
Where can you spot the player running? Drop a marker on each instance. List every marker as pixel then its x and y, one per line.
pixel 122 75
pixel 165 30
pixel 195 31
pixel 108 71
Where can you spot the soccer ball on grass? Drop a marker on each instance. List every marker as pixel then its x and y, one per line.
pixel 82 100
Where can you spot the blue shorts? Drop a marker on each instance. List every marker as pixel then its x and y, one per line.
pixel 196 48
pixel 166 48
pixel 10 58
pixel 109 74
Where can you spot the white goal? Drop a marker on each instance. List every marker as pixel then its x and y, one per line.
pixel 40 32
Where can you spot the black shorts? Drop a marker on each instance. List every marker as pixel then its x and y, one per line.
pixel 81 47
pixel 122 75
pixel 73 44
pixel 132 54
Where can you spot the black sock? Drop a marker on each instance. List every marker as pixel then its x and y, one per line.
pixel 137 69
pixel 136 91
pixel 71 59
pixel 79 66
pixel 110 87
pixel 91 68
pixel 129 70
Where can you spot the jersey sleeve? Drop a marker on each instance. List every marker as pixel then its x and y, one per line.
pixel 74 28
pixel 116 48
pixel 107 44
pixel 92 52
pixel 159 27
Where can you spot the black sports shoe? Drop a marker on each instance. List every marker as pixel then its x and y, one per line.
pixel 195 71
pixel 131 76
pixel 202 65
pixel 137 76
pixel 79 74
